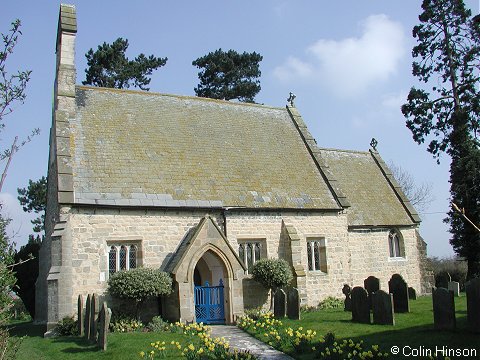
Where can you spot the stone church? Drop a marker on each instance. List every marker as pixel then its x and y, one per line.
pixel 203 189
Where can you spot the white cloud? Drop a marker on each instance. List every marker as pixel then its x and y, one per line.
pixel 350 66
pixel 293 67
pixel 395 101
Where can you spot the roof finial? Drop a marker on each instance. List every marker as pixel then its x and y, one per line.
pixel 374 144
pixel 290 99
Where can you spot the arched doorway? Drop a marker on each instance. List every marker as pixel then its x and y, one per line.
pixel 209 277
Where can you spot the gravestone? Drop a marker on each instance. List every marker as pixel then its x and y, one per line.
pixel 382 305
pixel 279 304
pixel 94 309
pixel 360 307
pixel 347 303
pixel 88 310
pixel 443 309
pixel 399 288
pixel 81 316
pixel 293 304
pixel 371 284
pixel 472 288
pixel 104 317
pixel 455 287
pixel 412 294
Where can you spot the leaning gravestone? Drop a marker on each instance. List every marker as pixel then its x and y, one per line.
pixel 81 316
pixel 472 288
pixel 348 299
pixel 371 284
pixel 360 307
pixel 412 294
pixel 88 310
pixel 443 309
pixel 455 287
pixel 382 305
pixel 94 309
pixel 104 317
pixel 399 288
pixel 293 304
pixel 279 304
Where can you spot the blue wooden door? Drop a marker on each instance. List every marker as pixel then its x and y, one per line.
pixel 209 306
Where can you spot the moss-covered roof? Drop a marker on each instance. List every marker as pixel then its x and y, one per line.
pixel 374 201
pixel 140 148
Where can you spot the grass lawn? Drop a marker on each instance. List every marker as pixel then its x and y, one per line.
pixel 120 345
pixel 414 329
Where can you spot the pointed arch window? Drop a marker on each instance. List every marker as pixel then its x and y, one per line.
pixel 317 255
pixel 395 244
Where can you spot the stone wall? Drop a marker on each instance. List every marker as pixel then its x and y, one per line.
pixel 351 255
pixel 371 256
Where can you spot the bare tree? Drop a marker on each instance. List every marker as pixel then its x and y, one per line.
pixel 12 90
pixel 420 195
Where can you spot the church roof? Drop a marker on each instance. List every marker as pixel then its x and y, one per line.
pixel 133 148
pixel 375 197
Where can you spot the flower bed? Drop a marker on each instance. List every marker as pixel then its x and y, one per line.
pixel 304 341
pixel 202 346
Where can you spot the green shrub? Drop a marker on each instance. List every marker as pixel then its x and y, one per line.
pixel 307 309
pixel 442 268
pixel 255 313
pixel 68 326
pixel 139 285
pixel 330 303
pixel 272 273
pixel 125 323
pixel 158 324
pixel 19 311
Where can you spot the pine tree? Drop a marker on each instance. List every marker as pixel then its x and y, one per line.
pixel 34 198
pixel 229 75
pixel 109 67
pixel 447 56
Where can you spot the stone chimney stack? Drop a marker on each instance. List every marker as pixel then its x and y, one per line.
pixel 55 268
pixel 65 70
pixel 64 103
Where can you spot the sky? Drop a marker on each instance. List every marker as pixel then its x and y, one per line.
pixel 347 61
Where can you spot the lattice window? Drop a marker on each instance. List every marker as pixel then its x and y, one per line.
pixel 112 260
pixel 317 255
pixel 250 252
pixel 395 244
pixel 122 257
pixel 132 257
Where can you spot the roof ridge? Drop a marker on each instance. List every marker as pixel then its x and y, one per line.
pixel 311 145
pixel 190 97
pixel 397 188
pixel 345 150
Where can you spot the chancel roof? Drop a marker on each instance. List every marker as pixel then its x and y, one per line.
pixel 375 197
pixel 149 149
